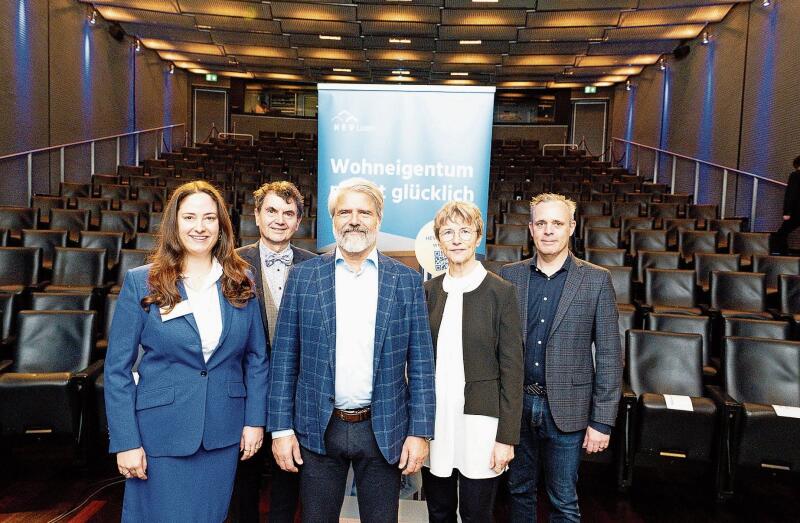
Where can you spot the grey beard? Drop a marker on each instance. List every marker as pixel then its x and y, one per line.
pixel 355 241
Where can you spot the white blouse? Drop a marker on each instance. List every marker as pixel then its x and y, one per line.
pixel 204 302
pixel 463 441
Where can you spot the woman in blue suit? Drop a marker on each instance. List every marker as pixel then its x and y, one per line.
pixel 200 399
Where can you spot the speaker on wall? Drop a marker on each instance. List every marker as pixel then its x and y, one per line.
pixel 681 52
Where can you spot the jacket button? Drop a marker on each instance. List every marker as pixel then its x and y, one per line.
pixel 203 373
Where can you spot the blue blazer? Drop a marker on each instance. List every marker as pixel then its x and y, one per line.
pixel 181 401
pixel 301 388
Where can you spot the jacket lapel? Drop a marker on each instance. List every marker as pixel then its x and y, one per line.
pixel 387 282
pixel 227 310
pixel 523 278
pixel 253 256
pixel 327 290
pixel 188 317
pixel 571 287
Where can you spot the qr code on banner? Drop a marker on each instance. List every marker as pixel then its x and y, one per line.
pixel 439 261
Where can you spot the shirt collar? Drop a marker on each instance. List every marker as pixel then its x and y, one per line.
pixel 212 277
pixel 371 258
pixel 263 250
pixel 565 267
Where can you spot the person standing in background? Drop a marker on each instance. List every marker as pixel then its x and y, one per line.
pixel 791 211
pixel 278 212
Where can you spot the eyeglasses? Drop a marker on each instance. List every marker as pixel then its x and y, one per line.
pixel 464 235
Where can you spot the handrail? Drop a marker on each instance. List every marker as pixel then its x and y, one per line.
pixel 690 158
pixel 225 135
pixel 572 146
pixel 52 147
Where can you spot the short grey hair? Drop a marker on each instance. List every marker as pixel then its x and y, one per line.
pixel 356 185
pixel 553 197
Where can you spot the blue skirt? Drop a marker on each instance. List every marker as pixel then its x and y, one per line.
pixel 192 488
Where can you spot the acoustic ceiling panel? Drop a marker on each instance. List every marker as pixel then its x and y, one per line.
pixel 399 13
pixel 264 61
pixel 645 17
pixel 387 42
pixel 189 47
pixel 225 8
pixel 470 68
pixel 600 17
pixel 555 59
pixel 396 54
pixel 435 3
pixel 331 54
pixel 549 48
pixel 330 64
pixel 140 16
pixel 605 60
pixel 563 5
pixel 176 56
pixel 505 4
pixel 256 50
pixel 514 17
pixel 671 32
pixel 654 47
pixel 394 64
pixel 604 71
pixel 328 12
pixel 561 34
pixel 346 42
pixel 477 32
pixel 486 46
pixel 399 29
pixel 232 37
pixel 233 23
pixel 531 71
pixel 655 4
pixel 320 27
pixel 166 6
pixel 161 32
pixel 468 58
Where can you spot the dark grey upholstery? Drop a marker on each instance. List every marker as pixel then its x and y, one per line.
pixel 695 242
pixel 78 270
pixel 705 263
pixel 670 291
pixel 19 268
pixel 605 257
pixel 686 324
pixel 61 301
pixel 742 294
pixel 656 260
pixel 47 241
pixel 647 240
pixel 503 253
pixel 112 242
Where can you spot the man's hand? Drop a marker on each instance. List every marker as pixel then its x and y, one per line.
pixel 287 453
pixel 502 454
pixel 415 450
pixel 595 441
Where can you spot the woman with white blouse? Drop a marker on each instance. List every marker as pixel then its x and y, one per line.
pixel 477 339
pixel 200 400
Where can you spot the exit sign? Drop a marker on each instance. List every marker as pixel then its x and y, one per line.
pixel 211 77
pixel 590 89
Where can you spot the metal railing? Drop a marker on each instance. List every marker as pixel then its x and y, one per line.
pixel 234 135
pixel 562 146
pixel 62 148
pixel 645 159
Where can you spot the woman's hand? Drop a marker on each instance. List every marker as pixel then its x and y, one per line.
pixel 502 454
pixel 252 439
pixel 132 463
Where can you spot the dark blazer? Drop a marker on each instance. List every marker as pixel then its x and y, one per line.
pixel 251 255
pixel 791 200
pixel 492 342
pixel 301 384
pixel 181 401
pixel 577 389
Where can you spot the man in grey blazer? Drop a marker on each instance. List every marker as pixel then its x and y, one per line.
pixel 568 308
pixel 279 209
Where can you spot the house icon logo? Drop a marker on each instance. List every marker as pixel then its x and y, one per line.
pixel 347 122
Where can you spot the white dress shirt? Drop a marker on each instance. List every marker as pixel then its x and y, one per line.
pixel 463 441
pixel 204 301
pixel 356 307
pixel 275 274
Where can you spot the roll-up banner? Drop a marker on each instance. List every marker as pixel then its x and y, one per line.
pixel 423 145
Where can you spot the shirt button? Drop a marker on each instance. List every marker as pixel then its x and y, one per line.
pixel 542 320
pixel 539 342
pixel 545 298
pixel 203 373
pixel 536 363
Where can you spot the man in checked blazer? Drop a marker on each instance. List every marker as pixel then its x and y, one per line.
pixel 351 378
pixel 573 362
pixel 278 212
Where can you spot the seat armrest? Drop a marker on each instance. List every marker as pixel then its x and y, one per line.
pixel 643 307
pixel 628 396
pixel 90 373
pixel 5 365
pixel 721 398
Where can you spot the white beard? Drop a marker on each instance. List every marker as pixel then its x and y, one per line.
pixel 354 242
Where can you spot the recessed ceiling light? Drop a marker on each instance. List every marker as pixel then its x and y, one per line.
pixel 341 70
pixel 485 1
pixel 470 42
pixel 459 74
pixel 203 27
pixel 400 72
pixel 329 37
pixel 399 40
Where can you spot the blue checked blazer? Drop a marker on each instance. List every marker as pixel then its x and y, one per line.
pixel 578 388
pixel 302 373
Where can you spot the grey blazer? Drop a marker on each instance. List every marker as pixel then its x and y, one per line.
pixel 251 255
pixel 578 390
pixel 492 344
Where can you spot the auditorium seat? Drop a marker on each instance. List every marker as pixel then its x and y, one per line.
pixel 74 190
pixel 621 210
pixel 71 220
pixel 309 244
pixel 761 377
pixel 94 206
pixel 510 234
pixel 14 219
pixel 739 295
pixel 591 208
pixel 789 299
pixel 674 226
pixel 703 213
pixel 601 238
pixel 19 268
pixel 517 218
pixel 125 222
pixel 128 259
pixel 724 229
pixel 584 222
pixel 667 290
pixel 689 324
pixel 695 242
pixel 130 170
pixel 662 212
pixel 145 241
pixel 47 241
pixel 706 263
pixel 43 203
pixel 666 413
pixel 646 240
pixel 155 196
pixel 502 253
pixel 42 390
pixel 61 301
pixel 141 208
pixel 112 242
pixel 113 192
pixel 773 266
pixel 7 315
pixel 605 257
pixel 154 222
pixel 248 226
pixel 749 244
pixel 306 229
pixel 519 207
pixel 3 237
pixel 631 223
pixel 78 270
pixel 750 328
pixel 647 259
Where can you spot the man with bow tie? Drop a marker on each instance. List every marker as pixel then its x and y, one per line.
pixel 278 211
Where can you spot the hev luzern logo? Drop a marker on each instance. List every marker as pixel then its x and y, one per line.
pixel 346 121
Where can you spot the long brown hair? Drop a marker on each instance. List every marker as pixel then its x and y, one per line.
pixel 167 258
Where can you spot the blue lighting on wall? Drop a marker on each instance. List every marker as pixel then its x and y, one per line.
pixel 629 126
pixel 169 84
pixel 705 140
pixel 763 119
pixel 23 71
pixel 665 110
pixel 86 78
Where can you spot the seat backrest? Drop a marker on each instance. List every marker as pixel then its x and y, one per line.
pixel 83 267
pixel 61 301
pixel 664 362
pixel 145 241
pixel 307 228
pixel 19 265
pixel 6 314
pixel 114 191
pixel 141 207
pixel 647 240
pixel 14 219
pixel 620 209
pixel 45 240
pixel 46 202
pixel 517 218
pixel 691 242
pixel 110 241
pixel 789 292
pixel 663 210
pixel 126 222
pixel 154 222
pixel 130 259
pixel 519 206
pixel 683 324
pixel 71 220
pixel 704 211
pixel 511 234
pixel 674 225
pixel 647 259
pixel 591 208
pixel 75 190
pixel 669 287
pixel 773 266
pixel 622 280
pixel 724 229
pixel 605 257
pixel 705 263
pixel 248 226
pixel 504 253
pixel 3 237
pixel 629 223
pixel 741 291
pixel 53 341
pixel 95 205
pixel 752 328
pixel 749 243
pixel 601 237
pixel 757 370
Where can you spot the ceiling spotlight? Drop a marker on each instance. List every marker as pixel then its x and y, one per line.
pixel 459 74
pixel 766 3
pixel 137 45
pixel 171 68
pixel 628 85
pixel 342 70
pixel 399 40
pixel 328 37
pixel 400 72
pixel 93 17
pixel 706 38
pixel 470 42
pixel 662 64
